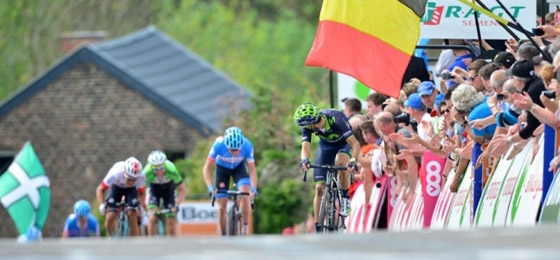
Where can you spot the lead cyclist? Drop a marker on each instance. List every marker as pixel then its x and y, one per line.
pixel 336 146
pixel 232 154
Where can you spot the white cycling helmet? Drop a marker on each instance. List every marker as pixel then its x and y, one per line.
pixel 157 157
pixel 132 167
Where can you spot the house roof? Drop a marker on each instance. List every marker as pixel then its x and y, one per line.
pixel 162 70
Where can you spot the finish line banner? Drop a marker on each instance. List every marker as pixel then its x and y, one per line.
pixel 450 19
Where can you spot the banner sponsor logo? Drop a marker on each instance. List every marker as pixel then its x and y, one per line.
pixel 454 20
pixel 195 213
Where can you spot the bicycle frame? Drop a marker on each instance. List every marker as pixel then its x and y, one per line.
pixel 122 220
pixel 331 192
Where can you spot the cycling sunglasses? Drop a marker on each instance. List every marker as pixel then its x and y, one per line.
pixel 158 168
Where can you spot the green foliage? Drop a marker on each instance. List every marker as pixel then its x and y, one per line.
pixel 279 206
pixel 191 169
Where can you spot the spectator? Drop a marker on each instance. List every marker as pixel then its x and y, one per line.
pixel 374 103
pixel 485 72
pixel 428 93
pixel 473 72
pixel 504 60
pixel 352 107
pixel 526 81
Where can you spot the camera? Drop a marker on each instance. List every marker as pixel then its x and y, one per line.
pixel 549 93
pixel 500 97
pixel 447 76
pixel 538 32
pixel 402 118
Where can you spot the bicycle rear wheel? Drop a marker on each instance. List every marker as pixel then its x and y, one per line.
pixel 323 219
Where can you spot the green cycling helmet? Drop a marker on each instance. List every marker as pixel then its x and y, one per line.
pixel 306 114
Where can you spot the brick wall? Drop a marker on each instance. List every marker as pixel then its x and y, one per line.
pixel 80 125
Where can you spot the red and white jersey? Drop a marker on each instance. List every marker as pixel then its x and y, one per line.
pixel 116 176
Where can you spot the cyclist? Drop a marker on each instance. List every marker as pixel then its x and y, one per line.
pixel 336 144
pixel 126 179
pixel 81 223
pixel 162 178
pixel 230 153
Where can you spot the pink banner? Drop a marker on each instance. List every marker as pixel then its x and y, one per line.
pixel 375 203
pixel 432 182
pixel 391 198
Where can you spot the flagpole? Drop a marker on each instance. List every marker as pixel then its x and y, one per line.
pixel 478 34
pixel 501 24
pixel 545 54
pixel 514 25
pixel 331 87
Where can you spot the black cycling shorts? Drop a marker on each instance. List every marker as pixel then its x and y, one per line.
pixel 161 191
pixel 115 195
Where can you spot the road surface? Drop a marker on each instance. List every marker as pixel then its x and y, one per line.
pixel 498 243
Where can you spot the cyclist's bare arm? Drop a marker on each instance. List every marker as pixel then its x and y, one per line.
pixel 100 194
pixel 305 150
pixel 142 198
pixel 207 171
pixel 353 142
pixel 253 174
pixel 182 193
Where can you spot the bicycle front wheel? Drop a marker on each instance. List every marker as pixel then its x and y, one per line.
pixel 323 219
pixel 231 222
pixel 122 226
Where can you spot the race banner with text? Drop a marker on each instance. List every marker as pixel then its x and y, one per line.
pixel 432 181
pixel 450 19
pixel 197 218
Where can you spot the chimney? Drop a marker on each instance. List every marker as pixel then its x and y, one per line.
pixel 70 41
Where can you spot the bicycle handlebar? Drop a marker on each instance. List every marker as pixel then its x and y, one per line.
pixel 233 192
pixel 326 167
pixel 329 167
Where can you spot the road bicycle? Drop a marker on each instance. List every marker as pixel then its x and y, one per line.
pixel 122 220
pixel 328 218
pixel 234 216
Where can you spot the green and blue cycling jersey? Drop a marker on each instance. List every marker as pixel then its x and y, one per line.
pixel 171 174
pixel 336 129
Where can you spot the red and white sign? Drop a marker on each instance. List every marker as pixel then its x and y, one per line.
pixel 443 204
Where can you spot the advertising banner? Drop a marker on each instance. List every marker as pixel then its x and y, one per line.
pixel 491 195
pixel 460 211
pixel 441 210
pixel 450 19
pixel 551 209
pixel 375 203
pixel 527 197
pixel 197 218
pixel 432 181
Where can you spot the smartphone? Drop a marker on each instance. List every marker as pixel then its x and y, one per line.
pixel 549 93
pixel 538 32
pixel 500 97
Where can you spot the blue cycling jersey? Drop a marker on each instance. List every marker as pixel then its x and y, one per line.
pixel 72 229
pixel 336 129
pixel 224 158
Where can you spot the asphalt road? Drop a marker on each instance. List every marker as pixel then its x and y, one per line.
pixel 502 243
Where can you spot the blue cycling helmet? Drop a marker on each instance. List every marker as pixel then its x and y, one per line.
pixel 81 208
pixel 233 129
pixel 233 139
